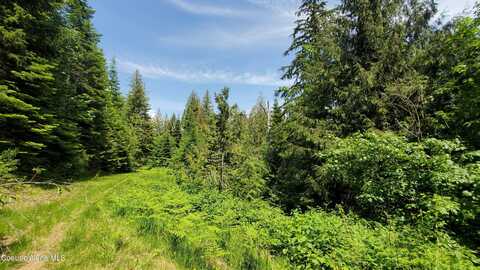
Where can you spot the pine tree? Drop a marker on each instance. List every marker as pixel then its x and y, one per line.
pixel 121 141
pixel 192 152
pixel 137 109
pixel 208 114
pixel 27 84
pixel 258 126
pixel 175 128
pixel 116 93
pixel 223 138
pixel 84 81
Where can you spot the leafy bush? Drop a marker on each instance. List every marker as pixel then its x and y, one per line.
pixel 381 175
pixel 205 228
pixel 320 240
pixel 210 229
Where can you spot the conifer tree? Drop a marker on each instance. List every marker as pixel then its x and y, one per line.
pixel 137 109
pixel 258 126
pixel 27 82
pixel 84 81
pixel 350 65
pixel 175 128
pixel 223 138
pixel 192 151
pixel 121 141
pixel 116 93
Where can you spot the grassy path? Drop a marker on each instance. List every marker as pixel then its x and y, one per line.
pixel 141 220
pixel 52 226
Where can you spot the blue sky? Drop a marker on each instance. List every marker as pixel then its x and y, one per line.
pixel 185 45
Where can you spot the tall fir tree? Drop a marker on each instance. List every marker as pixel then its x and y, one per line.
pixel 114 84
pixel 350 65
pixel 28 96
pixel 192 151
pixel 137 110
pixel 84 80
pixel 223 138
pixel 121 141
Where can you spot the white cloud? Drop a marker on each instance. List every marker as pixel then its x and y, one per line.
pixel 204 75
pixel 285 8
pixel 221 38
pixel 205 9
pixel 268 22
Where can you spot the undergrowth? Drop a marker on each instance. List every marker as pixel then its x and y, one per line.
pixel 206 229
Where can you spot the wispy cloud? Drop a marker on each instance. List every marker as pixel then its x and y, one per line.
pixel 203 75
pixel 205 9
pixel 228 39
pixel 285 8
pixel 269 21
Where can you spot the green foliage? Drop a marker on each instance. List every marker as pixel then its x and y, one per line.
pixel 455 77
pixel 54 90
pixel 355 69
pixel 320 240
pixel 191 156
pixel 8 170
pixel 210 229
pixel 381 175
pixel 121 142
pixel 205 229
pixel 8 165
pixel 137 110
pixel 163 147
pixel 26 79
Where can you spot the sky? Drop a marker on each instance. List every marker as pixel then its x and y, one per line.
pixel 180 46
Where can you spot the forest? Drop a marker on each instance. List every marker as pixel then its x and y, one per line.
pixel 370 159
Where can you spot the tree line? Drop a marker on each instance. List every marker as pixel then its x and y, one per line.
pixel 62 111
pixel 382 119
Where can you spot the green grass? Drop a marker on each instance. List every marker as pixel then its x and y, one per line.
pixel 29 225
pixel 146 220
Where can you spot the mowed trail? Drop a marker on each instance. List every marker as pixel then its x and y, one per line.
pixel 78 228
pixel 50 243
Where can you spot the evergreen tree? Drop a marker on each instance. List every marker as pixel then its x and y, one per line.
pixel 121 143
pixel 175 128
pixel 258 126
pixel 351 66
pixel 84 79
pixel 209 116
pixel 137 109
pixel 116 93
pixel 223 138
pixel 192 151
pixel 163 148
pixel 27 83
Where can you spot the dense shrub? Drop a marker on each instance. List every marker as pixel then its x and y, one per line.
pixel 320 240
pixel 382 175
pixel 211 229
